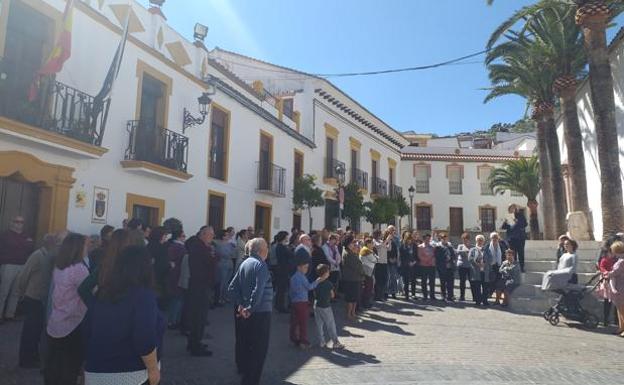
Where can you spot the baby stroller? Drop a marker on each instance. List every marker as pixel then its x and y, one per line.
pixel 569 302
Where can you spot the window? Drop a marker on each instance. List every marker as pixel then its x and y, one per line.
pixel 456 216
pixel 288 107
pixel 488 219
pixel 216 210
pixel 423 217
pixel 28 40
pixel 421 175
pixel 298 171
pixel 391 176
pixel 454 175
pixel 484 178
pixel 149 210
pixel 296 222
pixel 219 136
pixel 148 215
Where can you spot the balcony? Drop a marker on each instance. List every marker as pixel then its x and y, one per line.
pixel 360 178
pixel 156 150
pixel 485 189
pixel 380 187
pixel 60 116
pixel 455 187
pixel 331 176
pixel 422 186
pixel 271 179
pixel 396 191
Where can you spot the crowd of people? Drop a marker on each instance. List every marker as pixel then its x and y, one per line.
pixel 103 303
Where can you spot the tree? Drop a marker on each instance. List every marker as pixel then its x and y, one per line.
pixel 517 66
pixel 353 204
pixel 522 176
pixel 381 210
pixel 306 195
pixel 402 208
pixel 593 16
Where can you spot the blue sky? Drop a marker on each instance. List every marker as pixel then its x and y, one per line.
pixel 329 36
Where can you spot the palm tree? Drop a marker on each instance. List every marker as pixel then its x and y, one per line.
pixel 555 28
pixel 517 67
pixel 521 176
pixel 593 16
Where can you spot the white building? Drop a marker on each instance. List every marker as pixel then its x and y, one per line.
pixel 451 187
pixel 61 169
pixel 588 129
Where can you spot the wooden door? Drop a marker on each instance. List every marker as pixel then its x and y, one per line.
pixel 456 221
pixel 216 211
pixel 423 217
pixel 262 220
pixel 21 198
pixel 264 165
pixel 29 39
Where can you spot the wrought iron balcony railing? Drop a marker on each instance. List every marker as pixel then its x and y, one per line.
pixel 56 107
pixel 455 187
pixel 396 191
pixel 151 143
pixel 271 179
pixel 331 166
pixel 380 186
pixel 360 178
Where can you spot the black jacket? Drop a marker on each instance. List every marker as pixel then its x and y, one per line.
pixel 445 257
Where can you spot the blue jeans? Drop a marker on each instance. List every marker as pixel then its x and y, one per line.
pixel 393 279
pixel 225 274
pixel 175 309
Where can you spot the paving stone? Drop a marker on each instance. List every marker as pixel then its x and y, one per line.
pixel 396 343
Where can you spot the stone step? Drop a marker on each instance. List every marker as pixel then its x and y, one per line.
pixel 535 278
pixel 582 266
pixel 551 255
pixel 552 245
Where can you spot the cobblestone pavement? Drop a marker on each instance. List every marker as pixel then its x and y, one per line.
pixel 396 343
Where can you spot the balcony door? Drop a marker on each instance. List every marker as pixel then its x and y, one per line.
pixel 354 165
pixel 150 140
pixel 265 162
pixel 29 36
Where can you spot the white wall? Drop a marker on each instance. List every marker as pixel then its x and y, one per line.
pixel 588 130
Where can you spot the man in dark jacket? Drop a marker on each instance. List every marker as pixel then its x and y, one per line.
pixel 446 260
pixel 202 267
pixel 516 233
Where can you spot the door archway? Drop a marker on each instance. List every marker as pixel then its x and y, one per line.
pixel 55 182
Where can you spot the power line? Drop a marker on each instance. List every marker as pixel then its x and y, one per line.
pixel 295 76
pixel 407 69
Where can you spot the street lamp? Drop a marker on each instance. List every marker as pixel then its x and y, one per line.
pixel 411 191
pixel 340 173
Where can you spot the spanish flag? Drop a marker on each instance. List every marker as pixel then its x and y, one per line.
pixel 60 53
